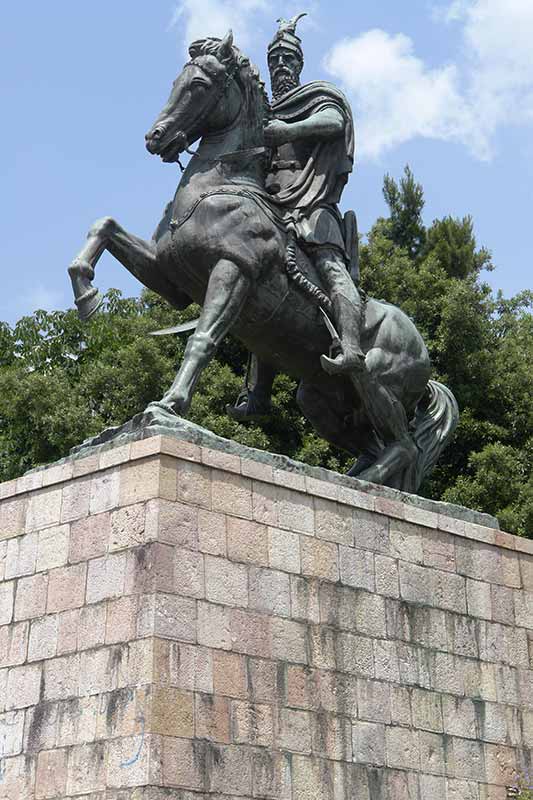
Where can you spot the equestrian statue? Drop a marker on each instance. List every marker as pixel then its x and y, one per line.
pixel 255 236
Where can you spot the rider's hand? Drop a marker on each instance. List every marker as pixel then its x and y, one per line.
pixel 277 132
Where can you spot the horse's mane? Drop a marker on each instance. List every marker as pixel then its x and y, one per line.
pixel 248 76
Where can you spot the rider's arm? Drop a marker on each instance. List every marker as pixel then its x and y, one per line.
pixel 326 124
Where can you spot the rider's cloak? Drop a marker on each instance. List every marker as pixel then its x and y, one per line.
pixel 326 172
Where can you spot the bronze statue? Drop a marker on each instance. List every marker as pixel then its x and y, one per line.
pixel 242 253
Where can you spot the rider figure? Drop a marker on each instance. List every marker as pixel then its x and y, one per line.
pixel 312 139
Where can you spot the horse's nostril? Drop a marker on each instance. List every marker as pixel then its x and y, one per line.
pixel 157 133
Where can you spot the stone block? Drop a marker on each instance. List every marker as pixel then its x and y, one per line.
pixel 76 500
pixel 11 733
pixel 247 541
pixel 13 644
pixel 44 509
pixel 230 675
pixel 406 541
pixel 53 547
pixel 371 531
pixel 7 601
pixel 13 517
pixel 189 577
pixel 194 484
pixel 312 779
pixel 62 678
pixel 105 577
pixel 403 750
pixel 373 701
pixel 305 599
pixel 284 550
pixel 251 633
pixel 296 512
pixel 269 591
pixel 265 503
pixel 89 537
pixel 86 769
pixel 30 599
pixel 172 712
pixel 288 641
pixel 226 582
pixel 386 660
pixel 262 679
pixel 231 494
pixel 368 741
pixel 295 730
pixel 479 600
pixel 320 559
pixel 214 626
pixel 468 760
pixel 155 476
pixel 121 619
pixel 357 568
pixel 23 686
pixel 105 491
pixel 51 775
pixel 149 568
pixel 43 638
pixel 172 523
pixel 175 618
pixel 334 522
pixel 212 718
pixel 127 527
pixel 21 556
pixel 66 588
pixel 212 533
pixel 387 576
pixel 252 723
pixel 231 770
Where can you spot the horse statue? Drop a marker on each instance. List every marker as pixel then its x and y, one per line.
pixel 223 243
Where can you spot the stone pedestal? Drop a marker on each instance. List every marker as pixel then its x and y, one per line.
pixel 180 622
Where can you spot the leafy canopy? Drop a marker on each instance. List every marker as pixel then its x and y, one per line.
pixel 61 380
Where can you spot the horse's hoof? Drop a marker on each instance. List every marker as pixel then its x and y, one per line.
pixel 160 404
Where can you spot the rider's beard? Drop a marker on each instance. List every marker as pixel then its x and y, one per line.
pixel 282 82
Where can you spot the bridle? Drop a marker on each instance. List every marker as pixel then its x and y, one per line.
pixel 222 88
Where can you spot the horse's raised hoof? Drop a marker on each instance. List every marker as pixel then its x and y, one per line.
pixel 342 365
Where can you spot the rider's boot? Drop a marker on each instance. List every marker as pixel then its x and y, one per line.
pixel 253 403
pixel 348 316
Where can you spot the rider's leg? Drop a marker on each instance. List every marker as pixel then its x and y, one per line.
pixel 254 400
pixel 347 310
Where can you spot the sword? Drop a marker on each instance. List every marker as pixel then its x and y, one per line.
pixel 185 327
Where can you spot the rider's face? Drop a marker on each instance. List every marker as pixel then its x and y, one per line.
pixel 285 67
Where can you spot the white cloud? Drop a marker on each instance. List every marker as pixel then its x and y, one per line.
pixel 216 17
pixel 397 97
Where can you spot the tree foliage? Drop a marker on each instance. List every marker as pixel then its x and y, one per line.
pixel 61 380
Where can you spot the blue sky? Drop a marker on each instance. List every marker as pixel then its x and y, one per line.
pixel 444 85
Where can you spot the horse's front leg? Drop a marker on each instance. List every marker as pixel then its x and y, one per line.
pixel 226 294
pixel 137 255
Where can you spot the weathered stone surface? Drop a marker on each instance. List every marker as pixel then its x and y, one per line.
pixel 158 641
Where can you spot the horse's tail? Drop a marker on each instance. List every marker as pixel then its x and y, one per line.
pixel 436 419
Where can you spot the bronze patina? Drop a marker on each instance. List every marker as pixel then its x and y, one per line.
pixel 254 235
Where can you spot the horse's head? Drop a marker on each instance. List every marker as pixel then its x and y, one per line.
pixel 207 96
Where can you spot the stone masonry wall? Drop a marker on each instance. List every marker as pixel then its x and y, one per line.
pixel 177 622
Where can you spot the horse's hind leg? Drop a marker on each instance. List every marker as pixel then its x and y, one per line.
pixel 389 420
pixel 327 409
pixel 137 255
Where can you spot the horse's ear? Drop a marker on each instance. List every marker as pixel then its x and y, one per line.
pixel 225 48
